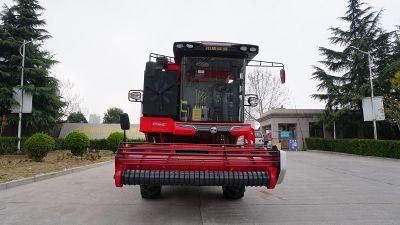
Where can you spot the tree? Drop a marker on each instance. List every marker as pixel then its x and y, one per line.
pixel 3 124
pixel 6 91
pixel 396 80
pixel 268 88
pixel 344 75
pixel 18 23
pixel 76 117
pixel 392 109
pixel 71 99
pixel 392 100
pixel 112 115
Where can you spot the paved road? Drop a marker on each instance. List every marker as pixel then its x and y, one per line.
pixel 320 188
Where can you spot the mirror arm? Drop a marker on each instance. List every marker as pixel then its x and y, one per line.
pixel 266 64
pixel 249 96
pixel 258 63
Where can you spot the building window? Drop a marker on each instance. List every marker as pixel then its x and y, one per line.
pixel 316 130
pixel 287 132
pixel 265 128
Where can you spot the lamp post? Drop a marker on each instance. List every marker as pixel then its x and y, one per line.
pixel 22 92
pixel 372 87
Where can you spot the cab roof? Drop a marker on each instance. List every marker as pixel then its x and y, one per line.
pixel 214 49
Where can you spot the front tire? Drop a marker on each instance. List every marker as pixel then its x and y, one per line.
pixel 233 192
pixel 150 191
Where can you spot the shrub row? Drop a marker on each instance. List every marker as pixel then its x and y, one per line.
pixel 9 145
pixel 366 147
pixel 110 143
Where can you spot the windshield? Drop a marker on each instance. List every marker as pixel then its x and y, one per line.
pixel 212 89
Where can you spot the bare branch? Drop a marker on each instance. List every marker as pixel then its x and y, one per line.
pixel 71 99
pixel 270 91
pixel 392 109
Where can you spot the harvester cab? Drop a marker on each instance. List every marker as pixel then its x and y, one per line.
pixel 193 107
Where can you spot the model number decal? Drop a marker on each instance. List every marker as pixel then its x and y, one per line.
pixel 159 124
pixel 215 48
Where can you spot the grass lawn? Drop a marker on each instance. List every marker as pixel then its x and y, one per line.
pixel 14 167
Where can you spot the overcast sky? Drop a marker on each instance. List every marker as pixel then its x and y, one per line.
pixel 103 45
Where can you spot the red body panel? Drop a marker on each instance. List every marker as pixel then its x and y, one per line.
pixel 197 157
pixel 169 126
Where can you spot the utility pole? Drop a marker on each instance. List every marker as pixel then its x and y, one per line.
pixel 372 95
pixel 334 130
pixel 22 94
pixel 372 88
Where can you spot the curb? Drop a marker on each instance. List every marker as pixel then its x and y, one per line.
pixel 40 177
pixel 354 155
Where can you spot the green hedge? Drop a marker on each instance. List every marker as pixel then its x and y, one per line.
pixel 366 147
pixel 99 144
pixel 59 144
pixel 103 144
pixel 9 145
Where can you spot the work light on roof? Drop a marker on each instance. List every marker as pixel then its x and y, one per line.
pixel 189 45
pixel 243 48
pixel 180 45
pixel 253 49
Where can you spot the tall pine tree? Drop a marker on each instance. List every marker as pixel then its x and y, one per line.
pixel 344 75
pixel 392 98
pixel 18 23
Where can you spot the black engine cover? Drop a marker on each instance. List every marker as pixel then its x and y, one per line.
pixel 160 92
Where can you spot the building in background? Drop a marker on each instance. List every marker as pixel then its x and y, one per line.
pixel 285 125
pixel 94 119
pixel 99 131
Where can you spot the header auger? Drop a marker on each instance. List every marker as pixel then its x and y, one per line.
pixel 192 116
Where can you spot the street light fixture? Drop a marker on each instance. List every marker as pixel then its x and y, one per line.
pixel 22 53
pixel 372 86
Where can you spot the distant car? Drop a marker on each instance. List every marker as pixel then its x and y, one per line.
pixel 259 137
pixel 260 140
pixel 269 145
pixel 240 140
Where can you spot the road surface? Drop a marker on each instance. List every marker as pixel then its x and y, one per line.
pixel 320 188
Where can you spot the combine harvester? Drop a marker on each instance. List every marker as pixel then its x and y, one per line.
pixel 192 116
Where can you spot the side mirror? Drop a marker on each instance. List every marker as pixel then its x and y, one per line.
pixel 283 76
pixel 135 96
pixel 124 121
pixel 253 101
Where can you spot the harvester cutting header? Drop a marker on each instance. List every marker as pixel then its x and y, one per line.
pixel 192 116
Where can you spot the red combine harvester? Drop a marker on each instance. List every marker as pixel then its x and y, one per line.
pixel 192 116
